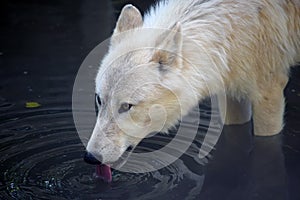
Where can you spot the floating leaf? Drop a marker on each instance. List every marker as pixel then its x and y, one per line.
pixel 32 104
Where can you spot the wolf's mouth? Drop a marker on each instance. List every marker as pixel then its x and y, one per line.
pixel 123 159
pixel 104 171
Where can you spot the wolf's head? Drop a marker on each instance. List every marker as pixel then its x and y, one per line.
pixel 140 87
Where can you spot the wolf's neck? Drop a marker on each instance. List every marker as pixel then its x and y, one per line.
pixel 205 66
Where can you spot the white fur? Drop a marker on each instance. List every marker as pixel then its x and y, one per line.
pixel 241 47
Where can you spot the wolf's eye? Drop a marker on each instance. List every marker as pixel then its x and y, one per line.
pixel 125 107
pixel 98 100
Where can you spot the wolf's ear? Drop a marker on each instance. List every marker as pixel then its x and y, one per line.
pixel 129 18
pixel 169 46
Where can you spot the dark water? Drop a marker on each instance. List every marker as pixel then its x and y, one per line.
pixel 42 44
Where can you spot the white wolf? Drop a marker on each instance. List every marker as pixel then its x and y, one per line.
pixel 160 66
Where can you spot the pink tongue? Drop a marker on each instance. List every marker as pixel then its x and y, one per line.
pixel 104 172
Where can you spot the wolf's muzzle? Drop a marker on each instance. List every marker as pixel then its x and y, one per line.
pixel 90 159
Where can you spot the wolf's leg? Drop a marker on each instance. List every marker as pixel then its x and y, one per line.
pixel 235 112
pixel 268 110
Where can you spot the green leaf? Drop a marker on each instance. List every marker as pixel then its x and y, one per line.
pixel 32 104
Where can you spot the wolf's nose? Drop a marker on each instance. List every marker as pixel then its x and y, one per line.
pixel 89 158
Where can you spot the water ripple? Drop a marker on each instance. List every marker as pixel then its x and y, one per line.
pixel 41 158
